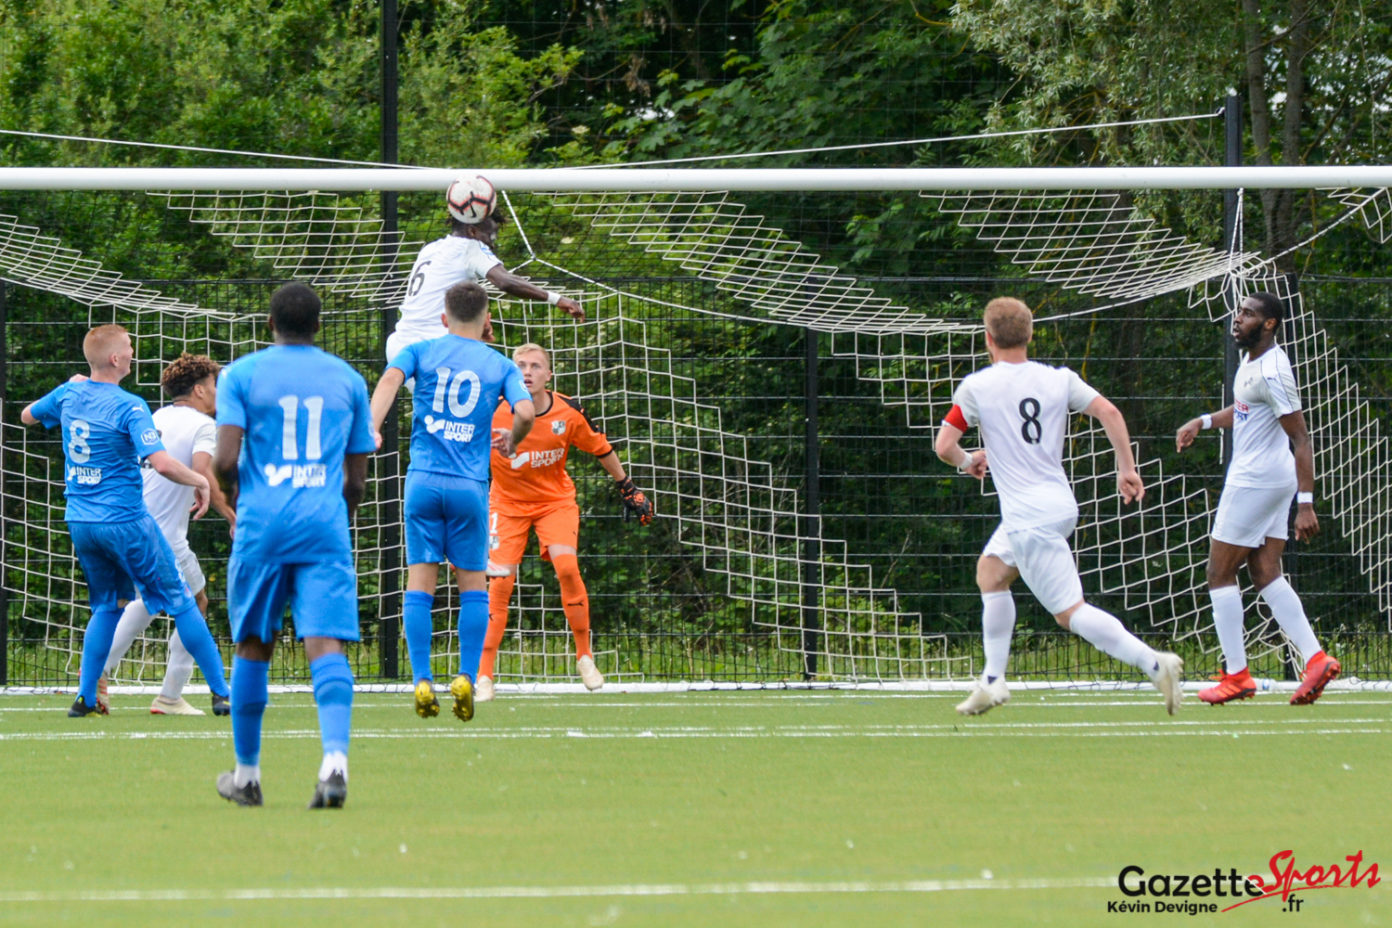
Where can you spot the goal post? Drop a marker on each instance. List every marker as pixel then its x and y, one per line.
pixel 699 307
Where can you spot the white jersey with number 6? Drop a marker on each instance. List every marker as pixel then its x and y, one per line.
pixel 1022 413
pixel 440 265
pixel 1263 391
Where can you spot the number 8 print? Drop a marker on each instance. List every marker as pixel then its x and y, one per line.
pixel 1031 430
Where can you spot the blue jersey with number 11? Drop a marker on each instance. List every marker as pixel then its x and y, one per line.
pixel 459 383
pixel 302 410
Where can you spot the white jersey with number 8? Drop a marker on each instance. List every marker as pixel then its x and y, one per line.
pixel 1022 413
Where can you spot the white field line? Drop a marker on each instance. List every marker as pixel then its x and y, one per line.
pixel 1159 727
pixel 802 887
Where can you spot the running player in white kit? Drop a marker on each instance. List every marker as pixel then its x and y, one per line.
pixel 189 434
pixel 1021 408
pixel 466 253
pixel 1250 525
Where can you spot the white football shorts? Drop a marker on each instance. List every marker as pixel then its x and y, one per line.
pixel 190 568
pixel 1044 560
pixel 1248 516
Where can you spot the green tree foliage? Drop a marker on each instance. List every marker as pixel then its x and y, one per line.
pixel 1314 77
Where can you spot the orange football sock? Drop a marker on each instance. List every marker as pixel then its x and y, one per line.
pixel 499 594
pixel 575 600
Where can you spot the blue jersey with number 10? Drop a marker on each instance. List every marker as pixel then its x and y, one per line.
pixel 459 383
pixel 302 410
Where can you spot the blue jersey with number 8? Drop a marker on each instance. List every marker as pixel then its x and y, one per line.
pixel 302 410
pixel 107 432
pixel 459 383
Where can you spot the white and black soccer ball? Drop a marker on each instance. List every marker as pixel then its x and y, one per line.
pixel 471 200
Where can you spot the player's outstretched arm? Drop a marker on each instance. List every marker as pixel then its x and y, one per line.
pixel 1222 419
pixel 26 415
pixel 383 395
pixel 524 289
pixel 948 446
pixel 1129 483
pixel 169 467
pixel 1306 522
pixel 229 448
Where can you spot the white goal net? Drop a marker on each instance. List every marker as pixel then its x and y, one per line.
pixel 734 513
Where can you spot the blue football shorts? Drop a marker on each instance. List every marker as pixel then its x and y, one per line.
pixel 322 596
pixel 119 558
pixel 446 519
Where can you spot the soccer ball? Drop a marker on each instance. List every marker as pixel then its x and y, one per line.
pixel 471 200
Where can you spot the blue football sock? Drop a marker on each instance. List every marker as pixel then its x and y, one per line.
pixel 333 693
pixel 249 697
pixel 193 632
pixel 415 618
pixel 473 627
pixel 96 648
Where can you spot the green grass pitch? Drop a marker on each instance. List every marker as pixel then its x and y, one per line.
pixel 752 808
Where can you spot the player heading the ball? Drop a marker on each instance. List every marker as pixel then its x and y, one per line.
pixel 459 383
pixel 465 254
pixel 106 433
pixel 1250 525
pixel 294 433
pixel 1021 408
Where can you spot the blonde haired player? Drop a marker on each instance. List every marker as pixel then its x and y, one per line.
pixel 1250 525
pixel 1021 408
pixel 189 433
pixel 532 492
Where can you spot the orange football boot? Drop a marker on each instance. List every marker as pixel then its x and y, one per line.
pixel 1318 671
pixel 1230 686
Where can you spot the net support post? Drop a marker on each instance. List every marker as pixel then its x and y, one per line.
pixel 389 630
pixel 1232 157
pixel 4 521
pixel 811 553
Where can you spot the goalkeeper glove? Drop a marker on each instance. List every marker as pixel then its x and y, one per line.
pixel 636 505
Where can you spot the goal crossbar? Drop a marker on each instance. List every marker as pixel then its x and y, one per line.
pixel 701 179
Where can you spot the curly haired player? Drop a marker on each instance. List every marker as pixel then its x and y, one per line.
pixel 532 491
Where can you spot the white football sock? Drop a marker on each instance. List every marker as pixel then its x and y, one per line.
pixel 179 669
pixel 246 773
pixel 134 620
pixel 1227 622
pixel 997 628
pixel 334 760
pixel 1290 615
pixel 1105 632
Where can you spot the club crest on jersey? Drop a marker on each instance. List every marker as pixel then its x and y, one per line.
pixel 558 427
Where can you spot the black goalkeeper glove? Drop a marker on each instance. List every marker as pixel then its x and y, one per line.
pixel 636 505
